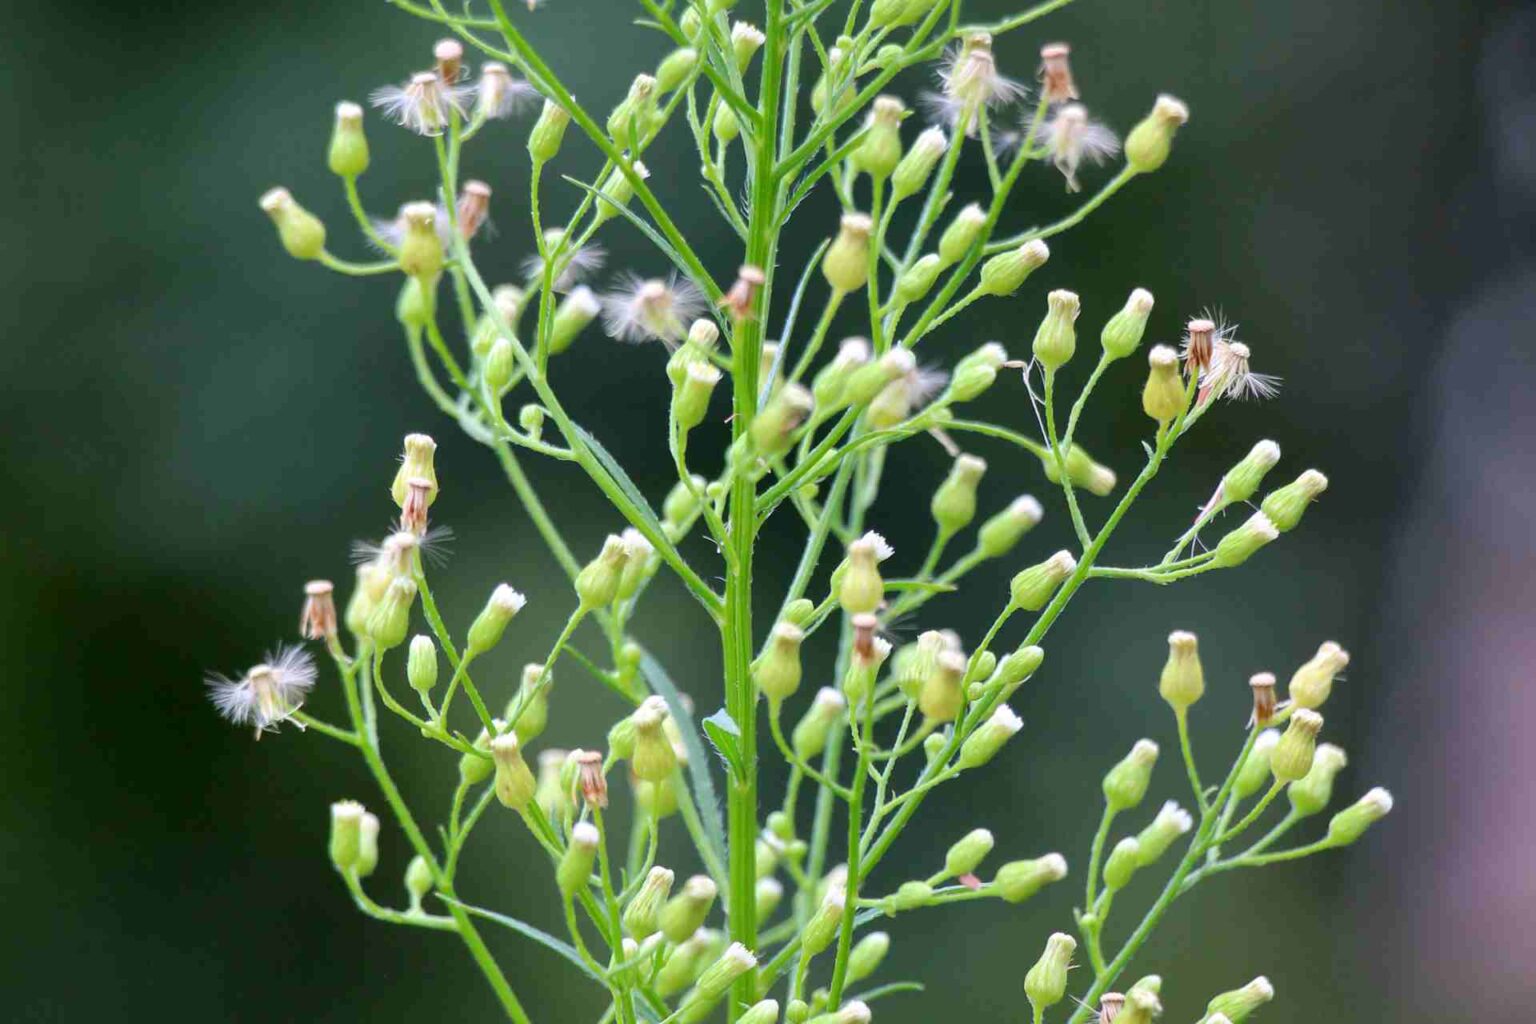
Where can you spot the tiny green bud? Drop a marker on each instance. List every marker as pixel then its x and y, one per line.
pixel 774 428
pixel 982 745
pixel 1153 841
pixel 776 672
pixel 1152 983
pixel 515 784
pixel 799 611
pixel 690 22
pixel 1018 880
pixel 1310 795
pixel 682 504
pixel 853 1012
pixel 1032 588
pixel 487 629
pixel 1046 983
pixel 553 795
pixel 810 736
pixel 880 151
pixel 684 963
pixel 1286 505
pixel 617 189
pixel 653 758
pixel 300 231
pixel 982 665
pixel 575 866
pixel 642 915
pixel 911 896
pixel 764 1012
pixel 1081 470
pixel 1004 273
pixel 942 696
pixel 572 315
pixel 475 768
pixel 1122 863
pixel 912 172
pixel 865 957
pixel 831 381
pixel 768 894
pixel 918 279
pixel 1126 783
pixel 962 234
pixel 500 364
pixel 1254 774
pixel 746 40
pixel 1122 333
pixel 1243 479
pixel 391 620
pixel 975 373
pixel 726 127
pixel 548 132
pixel 846 263
pixel 1001 533
pixel 862 589
pixel 348 153
pixel 346 823
pixel 528 710
pixel 418 879
pixel 628 122
pixel 967 853
pixel 690 399
pixel 1015 668
pixel 1241 543
pixel 954 502
pixel 1350 824
pixel 367 845
pixel 869 380
pixel 713 984
pixel 421 665
pixel 675 68
pixel 413 307
pixel 822 928
pixel 1292 756
pixel 684 913
pixel 421 248
pixel 1313 682
pixel 1183 679
pixel 933 747
pixel 1141 1006
pixel 1148 144
pixel 1239 1004
pixel 1056 338
pixel 1164 394
pixel 597 584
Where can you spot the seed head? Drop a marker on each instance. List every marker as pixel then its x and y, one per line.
pixel 267 694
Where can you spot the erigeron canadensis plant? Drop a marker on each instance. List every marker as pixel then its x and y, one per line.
pixel 775 923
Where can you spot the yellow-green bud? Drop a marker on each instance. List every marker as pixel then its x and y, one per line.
pixel 617 189
pixel 764 1012
pixel 1286 505
pixel 367 845
pixel 983 744
pixel 515 784
pixel 421 665
pixel 391 619
pixel 548 132
pixel 681 505
pixel 528 710
pixel 1240 544
pixel 862 589
pixel 746 40
pixel 684 913
pixel 476 768
pixel 1292 757
pixel 1313 682
pixel 768 894
pixel 1004 273
pixel 976 372
pixel 1046 982
pixel 684 963
pixel 1015 668
pixel 1001 533
pixel 1152 983
pixel 942 696
pixel 846 263
pixel 869 380
pixel 1164 394
pixel 1153 841
pixel 1240 1003
pixel 653 759
pixel 1056 338
pixel 300 231
pixel 656 800
pixel 421 248
pixel 1126 783
pixel 1254 774
pixel 553 795
pixel 418 879
pixel 853 1012
pixel 865 957
pixel 967 853
pixel 500 364
pixel 1141 1007
pixel 572 315
pixel 1018 880
pixel 810 736
pixel 690 399
pixel 912 172
pixel 530 419
pixel 1183 679
pixel 675 68
pixel 1147 146
pixel 413 307
pixel 830 384
pixel 822 928
pixel 597 584
pixel 348 153
pixel 1032 588
pixel 690 23
pixel 1350 823
pixel 962 234
pixel 1122 863
pixel 776 671
pixel 1081 470
pixel 1310 795
pixel 726 127
pixel 643 914
pixel 954 502
pixel 880 151
pixel 713 984
pixel 773 429
pixel 1242 480
pixel 575 866
pixel 1123 332
pixel 630 120
pixel 486 631
pixel 346 823
pixel 372 581
pixel 918 279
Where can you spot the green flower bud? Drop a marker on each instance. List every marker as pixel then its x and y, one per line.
pixel 390 621
pixel 1001 533
pixel 656 800
pixel 421 665
pixel 528 710
pixel 831 381
pixel 846 263
pixel 675 68
pixel 684 913
pixel 769 893
pixel 1183 679
pixel 1350 824
pixel 933 747
pixel 690 23
pixel 1018 880
pixel 1313 682
pixel 421 248
pixel 367 845
pixel 918 279
pixel 348 153
pixel 1046 983
pixel 910 896
pixel 683 964
pixel 1292 757
pixel 515 784
pixel 822 928
pixel 810 736
pixel 575 866
pixel 1286 505
pixel 553 795
pixel 981 666
pixel 1154 840
pixel 866 956
pixel 682 505
pixel 975 373
pixel 912 172
pixel 885 57
pixel 500 365
pixel 869 380
pixel 1032 588
pixel 1126 783
pixel 548 132
pixel 1239 1004
pixel 413 307
pixel 1056 338
pixel 1141 1006
pixel 1123 332
pixel 1147 146
pixel 1164 395
pixel 643 914
pixel 966 855
pixel 880 152
pixel 746 40
pixel 1240 544
pixel 776 672
pixel 853 1012
pixel 418 880
pixel 475 768
pixel 1243 479
pixel 1310 795
pixel 764 1012
pixel 653 759
pixel 1254 774
pixel 1152 983
pixel 714 983
pixel 1015 668
pixel 597 584
pixel 726 127
pixel 617 189
pixel 1004 273
pixel 300 231
pixel 346 824
pixel 954 502
pixel 942 696
pixel 774 428
pixel 862 589
pixel 1081 470
pixel 572 315
pixel 982 745
pixel 1122 863
pixel 962 234
pixel 486 631
pixel 630 120
pixel 530 419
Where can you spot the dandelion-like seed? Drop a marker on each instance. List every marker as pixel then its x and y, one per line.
pixel 269 693
pixel 1229 375
pixel 1056 82
pixel 1072 138
pixel 498 95
pixel 574 264
pixel 652 309
pixel 971 83
pixel 424 104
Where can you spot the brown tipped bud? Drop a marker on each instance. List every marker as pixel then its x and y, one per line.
pixel 1056 85
pixel 1199 340
pixel 318 620
pixel 473 208
pixel 1110 1005
pixel 449 57
pixel 1263 686
pixel 590 778
pixel 743 294
pixel 864 627
pixel 418 497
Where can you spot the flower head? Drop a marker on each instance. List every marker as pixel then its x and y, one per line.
pixel 1073 138
pixel 424 104
pixel 268 693
pixel 574 264
pixel 1229 375
pixel 643 309
pixel 499 95
pixel 1056 73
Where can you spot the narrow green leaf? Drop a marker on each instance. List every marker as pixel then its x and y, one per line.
pixel 642 507
pixel 888 990
pixel 704 795
pixel 725 734
pixel 667 249
pixel 789 318
pixel 545 939
pixel 922 586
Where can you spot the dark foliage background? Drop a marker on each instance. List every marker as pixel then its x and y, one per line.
pixel 193 425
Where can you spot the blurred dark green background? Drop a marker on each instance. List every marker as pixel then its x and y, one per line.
pixel 194 424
